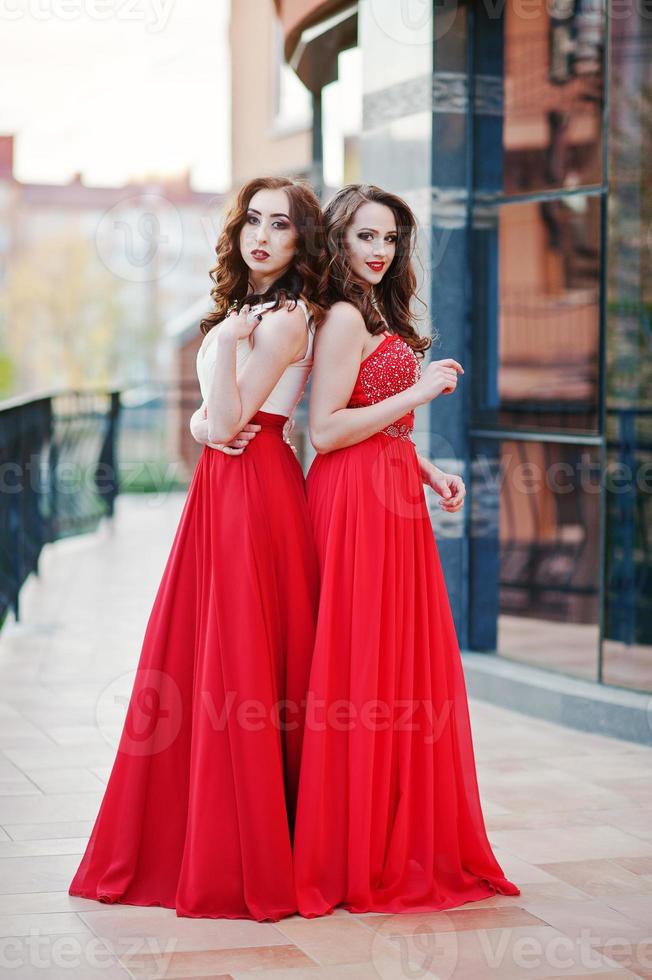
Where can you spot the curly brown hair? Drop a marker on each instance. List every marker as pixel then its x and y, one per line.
pixel 302 279
pixel 398 286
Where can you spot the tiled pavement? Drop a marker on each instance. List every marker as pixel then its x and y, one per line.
pixel 569 815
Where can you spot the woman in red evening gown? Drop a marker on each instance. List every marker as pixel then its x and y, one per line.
pixel 389 816
pixel 198 811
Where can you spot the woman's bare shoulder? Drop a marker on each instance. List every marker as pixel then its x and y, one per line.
pixel 344 319
pixel 284 325
pixel 343 332
pixel 344 310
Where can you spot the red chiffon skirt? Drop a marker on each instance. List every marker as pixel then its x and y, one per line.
pixel 199 807
pixel 389 816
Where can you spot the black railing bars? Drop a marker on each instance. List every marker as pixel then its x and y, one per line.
pixel 58 476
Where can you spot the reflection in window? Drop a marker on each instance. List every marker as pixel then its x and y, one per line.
pixel 549 313
pixel 553 65
pixel 548 319
pixel 535 551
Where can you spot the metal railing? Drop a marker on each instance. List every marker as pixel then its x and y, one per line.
pixel 58 476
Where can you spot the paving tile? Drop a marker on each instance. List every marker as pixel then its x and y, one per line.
pixel 329 941
pixel 632 819
pixel 228 976
pixel 614 765
pixel 594 922
pixel 60 756
pixel 455 920
pixel 547 844
pixel 46 831
pixel 17 727
pixel 572 829
pixel 49 809
pixel 68 780
pixel 635 961
pixel 387 968
pixel 19 787
pixel 37 874
pixel 635 790
pixel 76 734
pixel 30 743
pixel 203 963
pixel 6 710
pixel 54 901
pixel 35 848
pixel 64 958
pixel 637 865
pixel 119 924
pixel 637 908
pixel 561 791
pixel 599 877
pixel 8 771
pixel 611 975
pixel 509 954
pixel 102 773
pixel 46 924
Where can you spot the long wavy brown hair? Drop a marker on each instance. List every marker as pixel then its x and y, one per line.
pixel 397 288
pixel 302 279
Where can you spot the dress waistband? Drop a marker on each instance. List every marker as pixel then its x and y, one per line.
pixel 270 421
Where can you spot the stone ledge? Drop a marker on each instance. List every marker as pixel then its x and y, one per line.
pixel 556 697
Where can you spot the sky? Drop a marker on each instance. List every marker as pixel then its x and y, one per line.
pixel 116 89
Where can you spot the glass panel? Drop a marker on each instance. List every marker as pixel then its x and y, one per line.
pixel 553 57
pixel 535 553
pixel 627 650
pixel 292 100
pixel 341 121
pixel 540 356
pixel 397 40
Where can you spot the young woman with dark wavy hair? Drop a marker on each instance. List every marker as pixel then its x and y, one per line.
pixel 199 807
pixel 388 816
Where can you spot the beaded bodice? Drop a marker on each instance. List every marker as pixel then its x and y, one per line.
pixel 390 368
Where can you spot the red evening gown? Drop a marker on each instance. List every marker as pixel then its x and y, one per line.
pixel 198 811
pixel 389 816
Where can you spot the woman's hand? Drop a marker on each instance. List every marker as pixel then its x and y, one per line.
pixel 449 486
pixel 439 378
pixel 199 430
pixel 237 326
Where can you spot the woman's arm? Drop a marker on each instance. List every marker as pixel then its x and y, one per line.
pixel 338 353
pixel 199 432
pixel 280 337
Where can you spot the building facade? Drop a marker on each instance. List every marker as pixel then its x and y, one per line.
pixel 270 133
pixel 130 257
pixel 520 135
